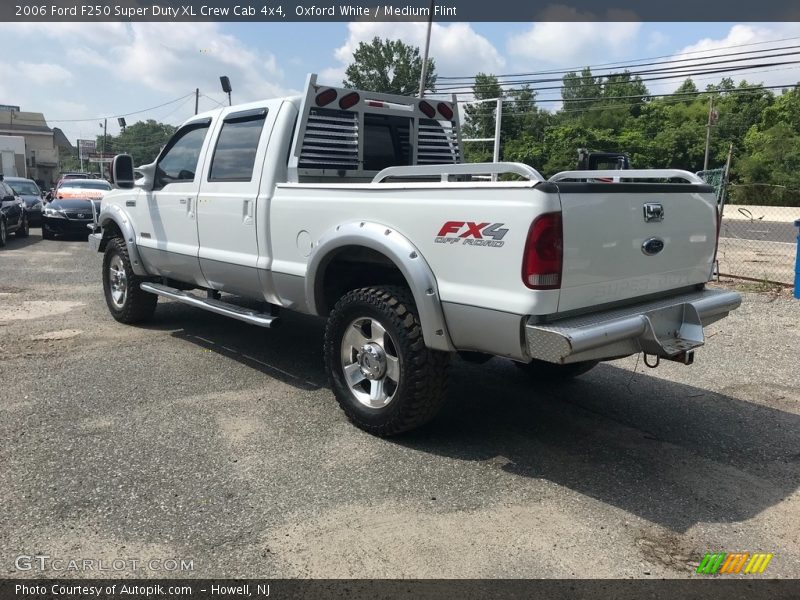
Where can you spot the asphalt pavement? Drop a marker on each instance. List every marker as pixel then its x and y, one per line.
pixel 202 439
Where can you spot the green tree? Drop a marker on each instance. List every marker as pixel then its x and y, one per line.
pixel 388 66
pixel 522 124
pixel 580 92
pixel 480 117
pixel 143 140
pixel 772 155
pixel 687 87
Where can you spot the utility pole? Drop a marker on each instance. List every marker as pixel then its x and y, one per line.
pixel 424 73
pixel 103 149
pixel 725 179
pixel 498 118
pixel 711 119
pixel 196 100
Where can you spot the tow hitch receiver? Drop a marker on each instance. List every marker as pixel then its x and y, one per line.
pixel 672 333
pixel 686 358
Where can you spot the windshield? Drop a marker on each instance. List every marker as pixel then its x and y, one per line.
pixel 87 185
pixel 24 188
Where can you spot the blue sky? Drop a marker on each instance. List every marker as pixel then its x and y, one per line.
pixel 76 73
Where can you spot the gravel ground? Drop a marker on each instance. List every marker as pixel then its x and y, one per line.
pixel 201 438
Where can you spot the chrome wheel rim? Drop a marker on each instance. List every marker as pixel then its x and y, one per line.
pixel 370 362
pixel 118 281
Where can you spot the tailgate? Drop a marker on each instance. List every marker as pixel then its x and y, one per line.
pixel 625 240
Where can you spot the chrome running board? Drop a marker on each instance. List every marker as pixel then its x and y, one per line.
pixel 210 304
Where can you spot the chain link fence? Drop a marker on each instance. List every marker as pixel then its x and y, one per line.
pixel 756 241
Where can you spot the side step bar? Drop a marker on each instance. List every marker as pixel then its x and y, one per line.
pixel 210 304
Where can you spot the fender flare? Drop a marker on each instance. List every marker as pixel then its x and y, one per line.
pixel 405 257
pixel 117 215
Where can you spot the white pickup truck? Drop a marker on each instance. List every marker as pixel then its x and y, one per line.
pixel 357 207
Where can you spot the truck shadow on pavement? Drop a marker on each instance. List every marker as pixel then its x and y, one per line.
pixel 291 353
pixel 668 452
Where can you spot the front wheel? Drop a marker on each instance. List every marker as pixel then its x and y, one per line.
pixel 3 233
pixel 126 301
pixel 24 228
pixel 383 376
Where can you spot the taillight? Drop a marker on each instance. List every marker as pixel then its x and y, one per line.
pixel 349 101
pixel 445 111
pixel 427 109
pixel 326 97
pixel 543 258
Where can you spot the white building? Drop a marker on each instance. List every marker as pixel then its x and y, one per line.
pixel 42 144
pixel 12 156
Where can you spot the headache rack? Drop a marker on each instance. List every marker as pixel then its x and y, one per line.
pixel 351 135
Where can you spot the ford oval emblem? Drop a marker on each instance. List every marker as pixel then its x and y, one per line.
pixel 652 246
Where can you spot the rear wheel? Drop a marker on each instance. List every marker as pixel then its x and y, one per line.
pixel 540 370
pixel 383 376
pixel 3 233
pixel 126 301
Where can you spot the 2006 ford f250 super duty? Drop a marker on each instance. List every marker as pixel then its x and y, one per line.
pixel 357 207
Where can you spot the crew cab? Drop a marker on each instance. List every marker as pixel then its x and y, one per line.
pixel 357 207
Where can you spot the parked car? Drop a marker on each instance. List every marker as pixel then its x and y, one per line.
pixel 72 175
pixel 82 188
pixel 68 216
pixel 32 197
pixel 13 216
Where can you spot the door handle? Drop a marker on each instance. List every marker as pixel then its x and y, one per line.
pixel 247 208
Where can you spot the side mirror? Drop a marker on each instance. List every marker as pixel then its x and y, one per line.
pixel 122 171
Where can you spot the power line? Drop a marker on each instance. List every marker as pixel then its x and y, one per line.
pixel 213 100
pixel 136 112
pixel 538 98
pixel 642 72
pixel 644 98
pixel 688 72
pixel 632 62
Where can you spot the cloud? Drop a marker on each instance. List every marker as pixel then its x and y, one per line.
pixel 41 74
pixel 456 48
pixel 113 68
pixel 176 57
pixel 573 44
pixel 743 38
pixel 656 41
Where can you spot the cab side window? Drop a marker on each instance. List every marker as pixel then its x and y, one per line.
pixel 235 154
pixel 178 163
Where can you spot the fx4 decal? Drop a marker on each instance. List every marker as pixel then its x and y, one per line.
pixel 468 233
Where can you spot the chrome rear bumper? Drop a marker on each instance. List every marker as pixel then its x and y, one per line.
pixel 668 328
